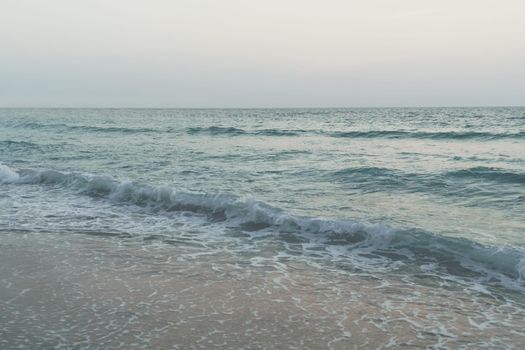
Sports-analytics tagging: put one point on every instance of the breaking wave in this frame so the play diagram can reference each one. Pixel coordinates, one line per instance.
(414, 247)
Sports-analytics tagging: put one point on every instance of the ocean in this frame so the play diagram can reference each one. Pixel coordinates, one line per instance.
(262, 228)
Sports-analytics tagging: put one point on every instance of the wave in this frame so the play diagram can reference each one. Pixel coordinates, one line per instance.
(230, 131)
(390, 134)
(8, 144)
(489, 174)
(478, 185)
(455, 256)
(11, 147)
(475, 174)
(84, 128)
(454, 135)
(233, 131)
(216, 130)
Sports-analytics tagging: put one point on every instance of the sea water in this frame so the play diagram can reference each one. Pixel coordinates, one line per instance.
(391, 226)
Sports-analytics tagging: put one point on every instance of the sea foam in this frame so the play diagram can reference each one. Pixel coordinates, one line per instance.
(7, 174)
(452, 255)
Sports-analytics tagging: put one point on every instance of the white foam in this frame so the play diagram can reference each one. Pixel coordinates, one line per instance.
(521, 269)
(7, 175)
(365, 245)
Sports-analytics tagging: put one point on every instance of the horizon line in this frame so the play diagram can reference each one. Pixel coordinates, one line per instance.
(266, 107)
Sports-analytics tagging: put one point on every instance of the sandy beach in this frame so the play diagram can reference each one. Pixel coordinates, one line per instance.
(262, 175)
(101, 292)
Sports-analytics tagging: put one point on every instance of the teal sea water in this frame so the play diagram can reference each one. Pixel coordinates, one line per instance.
(429, 196)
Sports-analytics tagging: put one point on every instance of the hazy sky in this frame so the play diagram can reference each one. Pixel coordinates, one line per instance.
(271, 53)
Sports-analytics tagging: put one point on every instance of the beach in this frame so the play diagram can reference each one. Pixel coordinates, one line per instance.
(262, 229)
(262, 175)
(99, 292)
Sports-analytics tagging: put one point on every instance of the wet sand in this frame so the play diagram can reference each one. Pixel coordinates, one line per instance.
(79, 291)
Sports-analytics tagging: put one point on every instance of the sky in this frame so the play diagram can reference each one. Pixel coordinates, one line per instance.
(272, 53)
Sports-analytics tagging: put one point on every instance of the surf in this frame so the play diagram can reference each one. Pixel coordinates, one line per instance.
(379, 244)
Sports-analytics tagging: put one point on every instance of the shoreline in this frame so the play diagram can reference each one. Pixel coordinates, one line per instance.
(68, 291)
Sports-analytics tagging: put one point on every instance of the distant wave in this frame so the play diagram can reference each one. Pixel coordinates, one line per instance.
(275, 132)
(488, 187)
(396, 177)
(390, 134)
(478, 186)
(456, 256)
(11, 146)
(86, 128)
(489, 174)
(397, 134)
(218, 130)
(17, 144)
